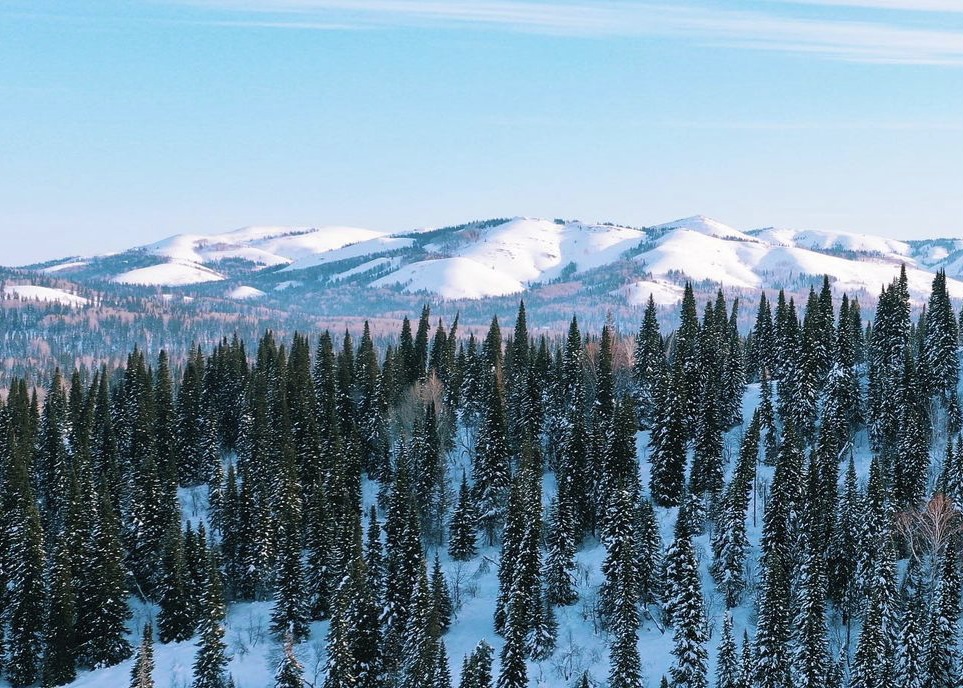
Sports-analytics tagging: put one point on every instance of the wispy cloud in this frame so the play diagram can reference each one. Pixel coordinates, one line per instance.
(941, 6)
(860, 41)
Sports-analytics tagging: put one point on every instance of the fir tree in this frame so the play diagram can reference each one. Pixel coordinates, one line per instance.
(667, 443)
(727, 661)
(211, 660)
(477, 668)
(175, 620)
(25, 609)
(59, 633)
(290, 673)
(560, 560)
(141, 676)
(689, 619)
(464, 525)
(490, 470)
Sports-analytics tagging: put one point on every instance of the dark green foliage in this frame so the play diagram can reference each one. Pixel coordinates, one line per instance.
(60, 643)
(290, 673)
(668, 440)
(142, 674)
(464, 525)
(490, 469)
(211, 660)
(688, 616)
(25, 611)
(175, 620)
(477, 668)
(727, 660)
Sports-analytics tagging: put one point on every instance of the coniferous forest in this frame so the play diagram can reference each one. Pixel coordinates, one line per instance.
(706, 506)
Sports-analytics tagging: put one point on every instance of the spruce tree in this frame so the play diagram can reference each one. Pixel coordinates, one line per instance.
(689, 618)
(290, 613)
(490, 470)
(290, 672)
(25, 608)
(340, 665)
(727, 660)
(513, 672)
(210, 661)
(811, 662)
(477, 668)
(141, 676)
(101, 631)
(464, 525)
(175, 619)
(560, 559)
(874, 661)
(442, 607)
(60, 647)
(911, 645)
(649, 362)
(667, 441)
(942, 655)
(730, 543)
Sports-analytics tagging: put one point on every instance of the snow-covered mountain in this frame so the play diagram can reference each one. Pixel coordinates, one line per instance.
(496, 258)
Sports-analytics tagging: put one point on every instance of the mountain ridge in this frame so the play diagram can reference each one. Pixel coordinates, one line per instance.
(507, 256)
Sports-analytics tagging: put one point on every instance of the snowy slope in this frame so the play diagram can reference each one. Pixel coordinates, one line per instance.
(705, 225)
(711, 253)
(453, 278)
(245, 292)
(267, 246)
(169, 274)
(818, 240)
(32, 292)
(506, 258)
(500, 257)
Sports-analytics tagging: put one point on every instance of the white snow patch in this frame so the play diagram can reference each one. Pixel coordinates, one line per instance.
(364, 267)
(452, 278)
(663, 293)
(822, 240)
(371, 246)
(245, 292)
(65, 266)
(169, 274)
(33, 292)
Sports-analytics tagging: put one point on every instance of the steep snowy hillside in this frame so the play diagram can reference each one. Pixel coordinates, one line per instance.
(193, 259)
(504, 259)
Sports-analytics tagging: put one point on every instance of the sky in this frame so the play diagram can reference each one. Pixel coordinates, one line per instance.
(122, 122)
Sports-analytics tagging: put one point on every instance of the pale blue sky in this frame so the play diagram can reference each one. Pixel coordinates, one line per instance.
(125, 121)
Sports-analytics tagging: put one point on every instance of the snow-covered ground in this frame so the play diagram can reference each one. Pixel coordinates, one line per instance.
(33, 292)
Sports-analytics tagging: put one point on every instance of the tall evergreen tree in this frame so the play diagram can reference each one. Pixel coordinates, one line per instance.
(727, 661)
(60, 646)
(142, 674)
(211, 660)
(689, 618)
(290, 672)
(667, 441)
(464, 525)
